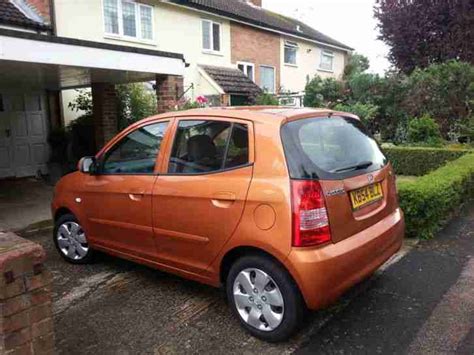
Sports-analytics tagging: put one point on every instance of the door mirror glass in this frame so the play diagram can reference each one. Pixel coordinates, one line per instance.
(87, 165)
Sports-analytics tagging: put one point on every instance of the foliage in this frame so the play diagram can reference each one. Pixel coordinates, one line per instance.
(419, 161)
(429, 201)
(366, 112)
(424, 130)
(186, 104)
(266, 99)
(58, 140)
(82, 137)
(82, 102)
(357, 63)
(135, 102)
(422, 32)
(323, 92)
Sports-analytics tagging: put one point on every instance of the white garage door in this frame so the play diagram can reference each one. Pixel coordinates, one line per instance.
(24, 150)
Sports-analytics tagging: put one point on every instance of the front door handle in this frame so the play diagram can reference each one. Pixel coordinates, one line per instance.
(136, 195)
(223, 199)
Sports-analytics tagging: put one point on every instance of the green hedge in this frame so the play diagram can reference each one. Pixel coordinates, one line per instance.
(431, 200)
(419, 161)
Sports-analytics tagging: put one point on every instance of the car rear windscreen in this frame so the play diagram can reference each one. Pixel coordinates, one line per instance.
(330, 148)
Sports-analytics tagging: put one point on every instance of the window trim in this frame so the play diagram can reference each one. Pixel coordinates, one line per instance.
(290, 45)
(246, 65)
(120, 35)
(232, 122)
(113, 143)
(274, 77)
(327, 53)
(211, 37)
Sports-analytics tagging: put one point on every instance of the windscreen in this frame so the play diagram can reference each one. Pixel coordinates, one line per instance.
(330, 148)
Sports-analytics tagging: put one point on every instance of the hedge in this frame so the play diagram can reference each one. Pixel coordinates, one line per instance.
(419, 161)
(431, 200)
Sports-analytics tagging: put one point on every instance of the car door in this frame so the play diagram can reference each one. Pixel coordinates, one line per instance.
(117, 199)
(199, 198)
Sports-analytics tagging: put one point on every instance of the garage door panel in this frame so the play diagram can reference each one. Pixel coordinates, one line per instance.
(38, 153)
(19, 125)
(36, 125)
(4, 158)
(33, 103)
(22, 155)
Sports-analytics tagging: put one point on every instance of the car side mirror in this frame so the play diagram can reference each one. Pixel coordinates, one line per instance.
(88, 165)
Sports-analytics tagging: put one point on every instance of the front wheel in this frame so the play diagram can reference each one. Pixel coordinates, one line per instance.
(264, 298)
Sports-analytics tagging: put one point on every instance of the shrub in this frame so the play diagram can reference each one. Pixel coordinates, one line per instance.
(266, 99)
(424, 130)
(429, 201)
(419, 161)
(323, 92)
(366, 112)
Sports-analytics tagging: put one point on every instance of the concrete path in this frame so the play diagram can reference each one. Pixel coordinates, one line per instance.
(116, 307)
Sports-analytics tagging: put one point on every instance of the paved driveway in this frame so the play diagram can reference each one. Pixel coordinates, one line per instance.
(418, 304)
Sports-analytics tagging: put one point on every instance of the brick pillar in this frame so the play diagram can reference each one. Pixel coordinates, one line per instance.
(169, 89)
(55, 111)
(105, 112)
(26, 323)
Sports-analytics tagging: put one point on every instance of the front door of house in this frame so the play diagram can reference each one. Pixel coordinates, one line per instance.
(24, 149)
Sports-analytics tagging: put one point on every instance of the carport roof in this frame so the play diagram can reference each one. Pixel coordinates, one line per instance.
(11, 15)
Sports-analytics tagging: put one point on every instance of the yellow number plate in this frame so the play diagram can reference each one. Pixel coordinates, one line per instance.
(366, 195)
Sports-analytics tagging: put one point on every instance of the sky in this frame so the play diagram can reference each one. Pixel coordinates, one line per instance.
(348, 21)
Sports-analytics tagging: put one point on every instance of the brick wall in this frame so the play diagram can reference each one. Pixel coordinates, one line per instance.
(26, 324)
(105, 112)
(42, 7)
(169, 89)
(257, 47)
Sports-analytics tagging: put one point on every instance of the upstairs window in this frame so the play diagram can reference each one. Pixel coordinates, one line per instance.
(211, 36)
(248, 69)
(128, 19)
(327, 60)
(291, 48)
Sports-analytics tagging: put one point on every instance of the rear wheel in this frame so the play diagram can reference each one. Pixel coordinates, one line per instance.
(264, 298)
(71, 241)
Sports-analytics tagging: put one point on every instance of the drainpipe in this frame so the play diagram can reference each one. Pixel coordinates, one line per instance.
(52, 15)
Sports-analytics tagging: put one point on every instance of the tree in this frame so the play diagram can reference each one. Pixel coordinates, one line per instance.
(423, 32)
(356, 64)
(323, 92)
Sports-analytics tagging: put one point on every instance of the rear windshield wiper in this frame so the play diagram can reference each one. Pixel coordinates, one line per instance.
(359, 166)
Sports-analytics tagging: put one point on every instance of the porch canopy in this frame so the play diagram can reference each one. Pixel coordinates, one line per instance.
(55, 63)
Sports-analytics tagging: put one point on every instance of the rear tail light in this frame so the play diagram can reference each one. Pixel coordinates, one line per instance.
(310, 218)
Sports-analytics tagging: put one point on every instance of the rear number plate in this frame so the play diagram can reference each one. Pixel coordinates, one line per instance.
(366, 195)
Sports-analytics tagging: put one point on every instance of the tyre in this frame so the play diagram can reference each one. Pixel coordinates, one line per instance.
(71, 241)
(265, 298)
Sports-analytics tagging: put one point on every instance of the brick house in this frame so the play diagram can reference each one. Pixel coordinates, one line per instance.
(226, 50)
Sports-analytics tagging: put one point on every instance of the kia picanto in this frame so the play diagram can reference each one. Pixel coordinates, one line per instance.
(284, 208)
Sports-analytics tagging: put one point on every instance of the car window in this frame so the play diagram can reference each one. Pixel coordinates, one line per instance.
(208, 146)
(136, 153)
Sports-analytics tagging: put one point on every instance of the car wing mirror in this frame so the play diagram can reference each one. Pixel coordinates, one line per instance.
(88, 165)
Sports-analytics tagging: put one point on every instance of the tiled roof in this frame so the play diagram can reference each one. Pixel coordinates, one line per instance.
(231, 80)
(243, 11)
(11, 15)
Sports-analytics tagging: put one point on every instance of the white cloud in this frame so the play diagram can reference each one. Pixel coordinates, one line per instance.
(348, 21)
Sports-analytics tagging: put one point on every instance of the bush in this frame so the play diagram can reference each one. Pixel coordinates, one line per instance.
(366, 112)
(266, 99)
(424, 130)
(419, 161)
(431, 200)
(323, 92)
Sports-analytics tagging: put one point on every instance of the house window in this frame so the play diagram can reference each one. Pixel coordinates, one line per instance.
(290, 52)
(267, 78)
(327, 60)
(211, 36)
(128, 19)
(248, 69)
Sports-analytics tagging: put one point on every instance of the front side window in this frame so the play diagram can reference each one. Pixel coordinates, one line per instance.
(128, 19)
(211, 36)
(136, 153)
(267, 78)
(208, 146)
(327, 60)
(248, 69)
(290, 52)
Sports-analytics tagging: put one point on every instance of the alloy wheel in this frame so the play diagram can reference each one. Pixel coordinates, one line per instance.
(72, 241)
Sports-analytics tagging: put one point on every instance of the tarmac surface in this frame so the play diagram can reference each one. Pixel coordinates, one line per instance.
(421, 302)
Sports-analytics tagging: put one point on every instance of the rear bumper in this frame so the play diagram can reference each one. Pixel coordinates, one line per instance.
(323, 274)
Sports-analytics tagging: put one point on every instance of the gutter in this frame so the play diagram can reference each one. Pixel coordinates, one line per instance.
(267, 29)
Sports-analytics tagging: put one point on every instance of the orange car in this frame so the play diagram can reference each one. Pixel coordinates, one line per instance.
(287, 208)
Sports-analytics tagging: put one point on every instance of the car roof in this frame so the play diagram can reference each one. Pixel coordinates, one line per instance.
(265, 114)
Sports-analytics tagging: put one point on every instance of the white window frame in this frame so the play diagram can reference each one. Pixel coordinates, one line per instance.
(290, 45)
(246, 66)
(274, 77)
(327, 53)
(211, 39)
(138, 22)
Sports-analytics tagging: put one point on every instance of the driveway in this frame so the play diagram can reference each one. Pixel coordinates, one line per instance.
(421, 303)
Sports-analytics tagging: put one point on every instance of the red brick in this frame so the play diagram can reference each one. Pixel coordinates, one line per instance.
(13, 289)
(25, 349)
(16, 322)
(38, 281)
(42, 328)
(15, 339)
(41, 295)
(40, 312)
(44, 345)
(16, 304)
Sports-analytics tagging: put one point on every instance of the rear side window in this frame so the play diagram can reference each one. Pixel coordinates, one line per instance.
(330, 148)
(208, 146)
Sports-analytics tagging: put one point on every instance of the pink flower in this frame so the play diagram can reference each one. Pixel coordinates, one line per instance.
(202, 100)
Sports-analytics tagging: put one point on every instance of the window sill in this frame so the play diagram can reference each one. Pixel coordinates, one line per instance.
(326, 70)
(291, 65)
(218, 54)
(130, 40)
